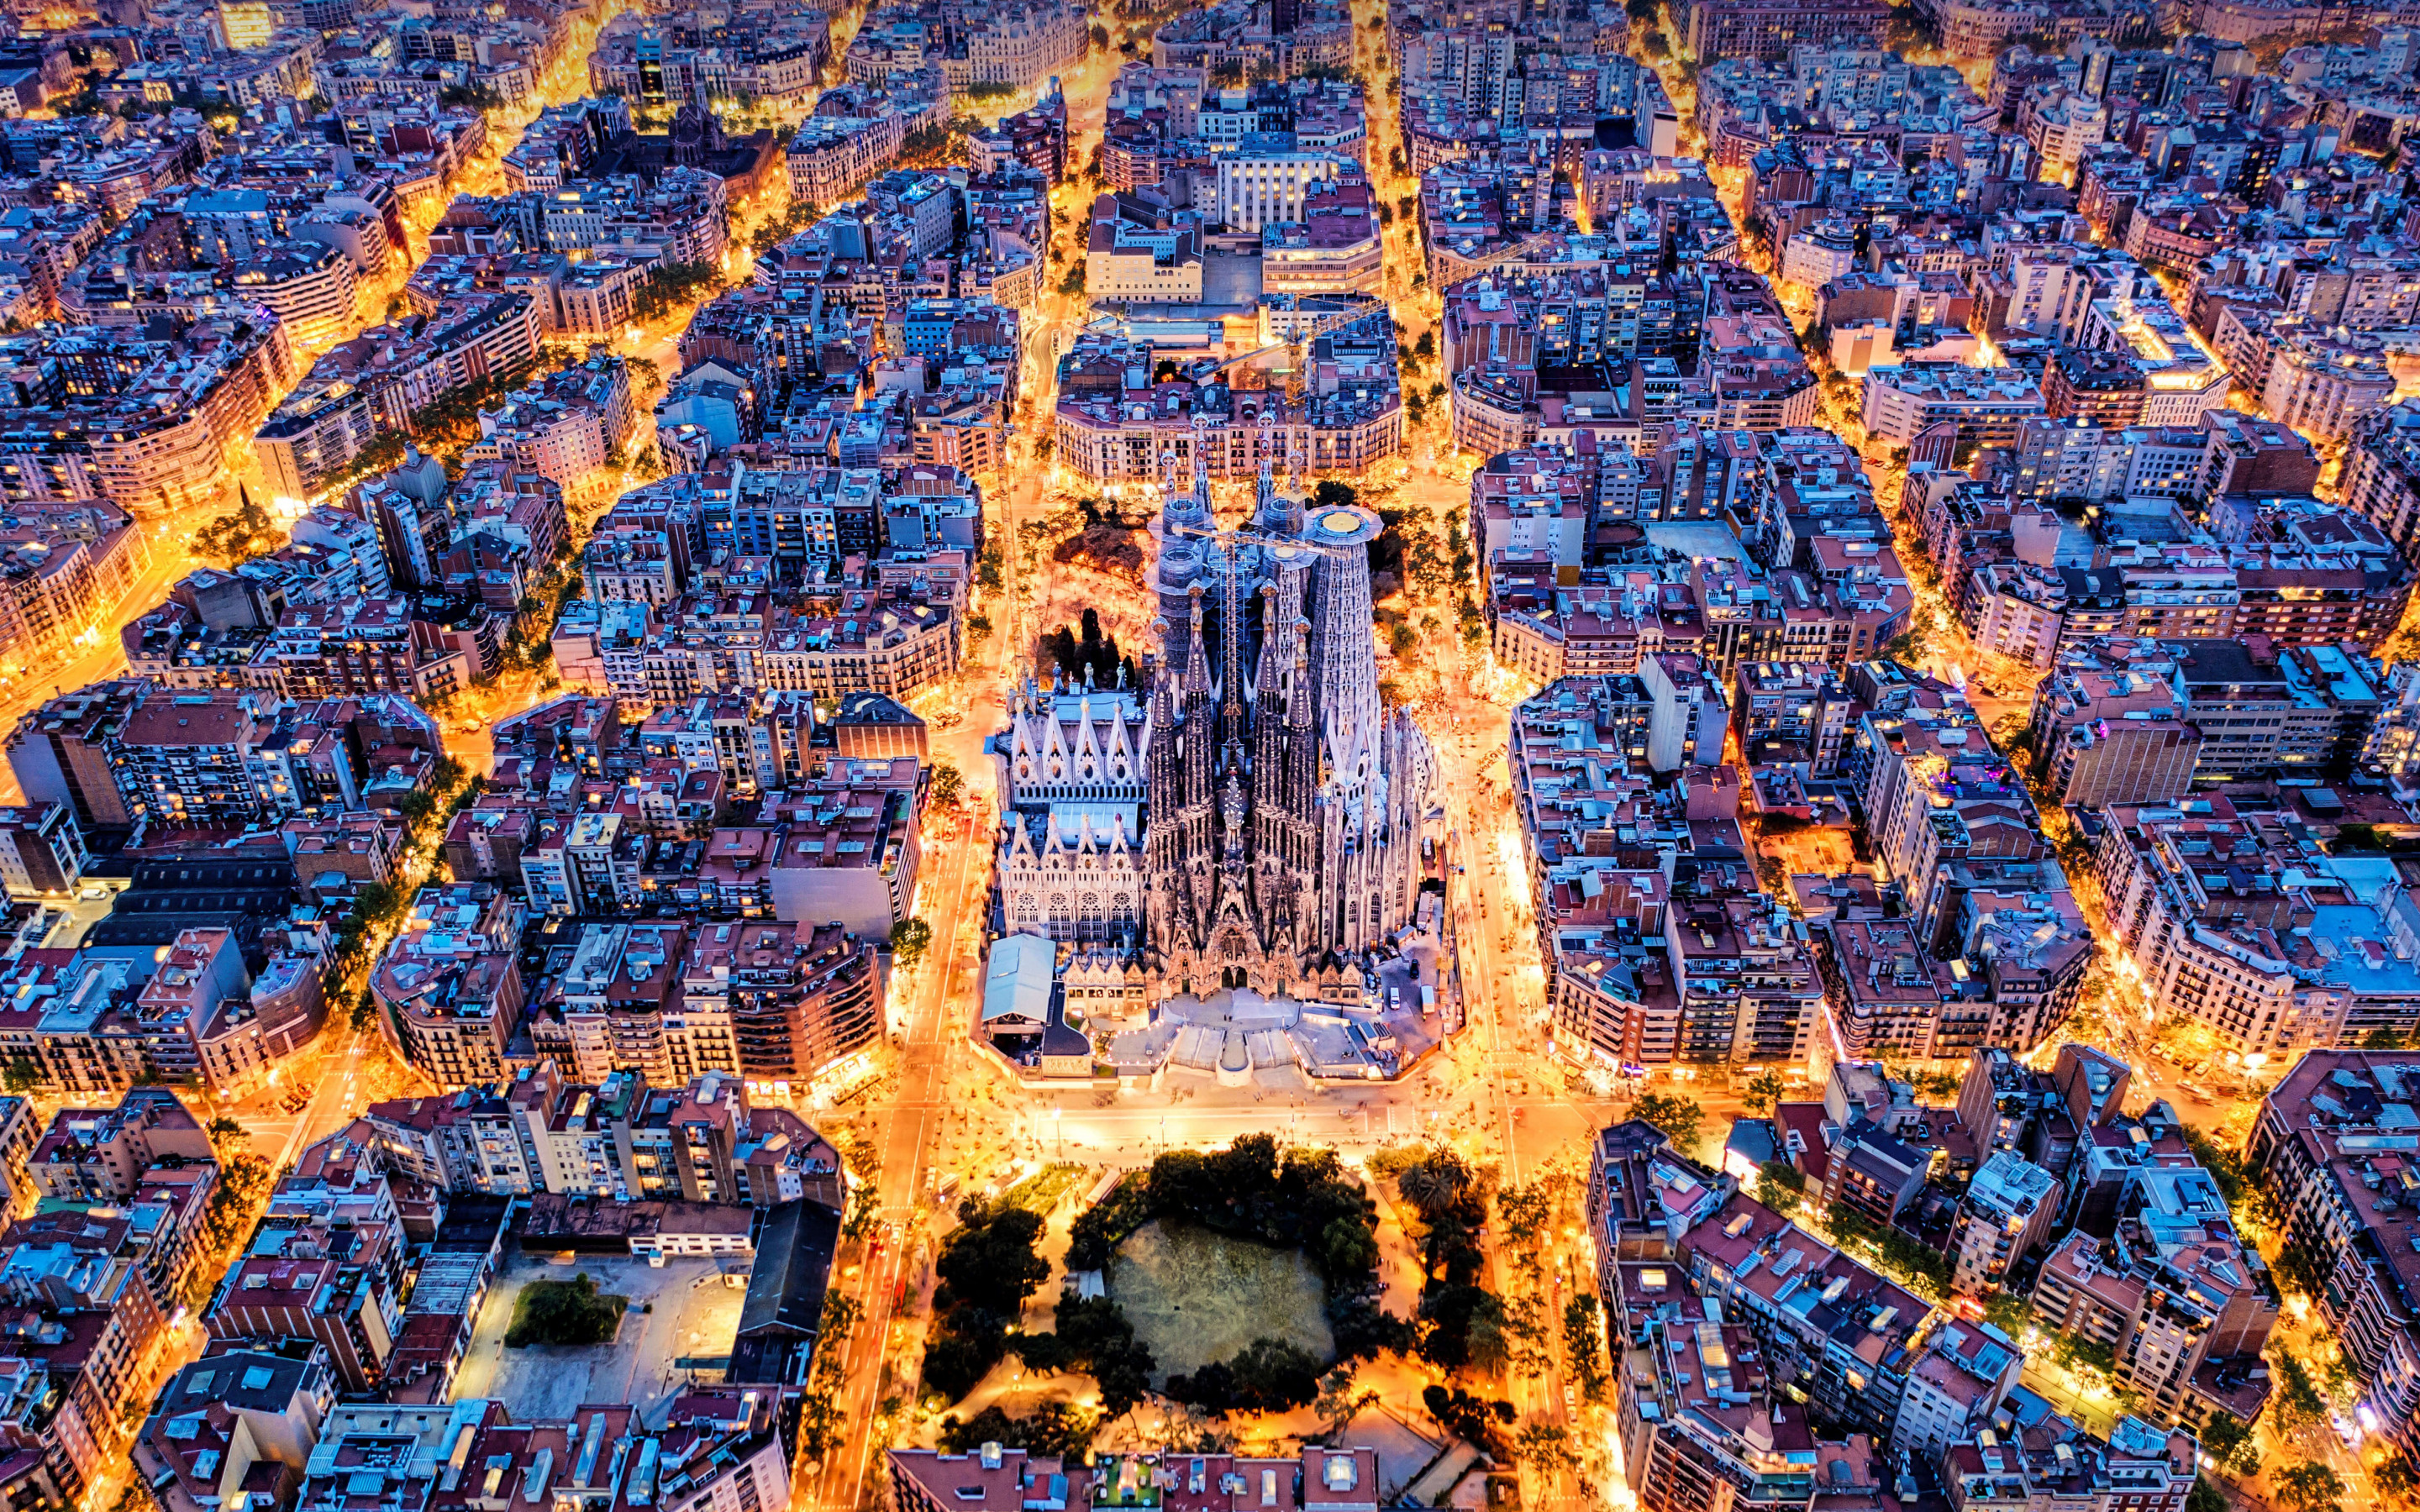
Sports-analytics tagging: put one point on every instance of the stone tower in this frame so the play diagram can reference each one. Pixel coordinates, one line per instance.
(1286, 800)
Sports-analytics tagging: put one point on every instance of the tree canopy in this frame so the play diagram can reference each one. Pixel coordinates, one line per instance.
(2309, 1486)
(1678, 1117)
(564, 1312)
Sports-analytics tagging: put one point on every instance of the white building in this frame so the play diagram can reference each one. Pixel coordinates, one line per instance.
(1256, 190)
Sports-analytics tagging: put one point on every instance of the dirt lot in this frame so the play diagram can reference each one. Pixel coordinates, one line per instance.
(1823, 851)
(686, 1309)
(1196, 1296)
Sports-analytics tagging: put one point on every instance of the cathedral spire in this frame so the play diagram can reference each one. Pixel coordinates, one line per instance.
(1197, 655)
(1177, 507)
(1202, 463)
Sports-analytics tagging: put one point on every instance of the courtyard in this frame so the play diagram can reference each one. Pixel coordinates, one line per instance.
(681, 1320)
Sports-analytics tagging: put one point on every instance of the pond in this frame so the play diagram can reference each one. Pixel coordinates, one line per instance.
(1196, 1296)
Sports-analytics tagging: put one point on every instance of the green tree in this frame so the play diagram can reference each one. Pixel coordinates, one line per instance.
(1487, 1335)
(671, 285)
(2008, 1312)
(1679, 1117)
(564, 1312)
(1275, 1376)
(1763, 1091)
(2077, 1352)
(988, 1260)
(1435, 1183)
(962, 1353)
(910, 939)
(23, 1075)
(2309, 1486)
(238, 536)
(1545, 1447)
(1526, 1213)
(1093, 1335)
(1341, 1397)
(1458, 1411)
(1779, 1185)
(948, 785)
(1584, 1346)
(2397, 1476)
(2230, 1443)
(1061, 1428)
(2204, 1497)
(1346, 1248)
(2298, 1403)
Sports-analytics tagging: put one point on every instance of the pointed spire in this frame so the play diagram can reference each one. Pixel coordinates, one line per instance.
(1202, 463)
(1197, 662)
(1268, 474)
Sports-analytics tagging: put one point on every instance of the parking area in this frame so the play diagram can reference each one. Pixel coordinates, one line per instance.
(686, 1311)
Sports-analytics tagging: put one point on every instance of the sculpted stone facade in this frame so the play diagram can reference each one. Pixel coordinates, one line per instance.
(1072, 831)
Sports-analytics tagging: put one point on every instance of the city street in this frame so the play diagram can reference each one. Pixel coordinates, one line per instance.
(941, 1117)
(97, 655)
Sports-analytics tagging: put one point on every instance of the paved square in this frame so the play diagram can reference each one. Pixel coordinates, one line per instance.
(695, 1314)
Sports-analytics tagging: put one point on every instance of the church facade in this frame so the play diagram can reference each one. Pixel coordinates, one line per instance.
(1071, 769)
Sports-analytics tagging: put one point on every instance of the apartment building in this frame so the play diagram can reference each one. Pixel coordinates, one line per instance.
(2381, 476)
(65, 570)
(2111, 724)
(2184, 1304)
(154, 424)
(1936, 791)
(2322, 1148)
(219, 1419)
(1768, 29)
(1985, 407)
(1841, 1333)
(992, 1479)
(2033, 1454)
(2261, 948)
(101, 1155)
(1113, 424)
(116, 753)
(449, 987)
(2007, 1212)
(1260, 189)
(1958, 1383)
(42, 852)
(2326, 382)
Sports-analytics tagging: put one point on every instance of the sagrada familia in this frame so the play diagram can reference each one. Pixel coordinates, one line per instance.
(1285, 799)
